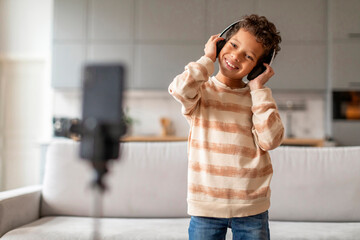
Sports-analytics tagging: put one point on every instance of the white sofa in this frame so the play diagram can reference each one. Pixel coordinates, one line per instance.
(315, 195)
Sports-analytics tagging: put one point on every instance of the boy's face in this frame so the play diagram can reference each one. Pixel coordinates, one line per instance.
(239, 55)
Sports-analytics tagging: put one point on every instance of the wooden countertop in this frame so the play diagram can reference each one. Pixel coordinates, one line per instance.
(287, 141)
(312, 142)
(153, 139)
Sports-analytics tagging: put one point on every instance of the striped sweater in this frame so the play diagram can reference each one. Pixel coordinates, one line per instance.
(231, 130)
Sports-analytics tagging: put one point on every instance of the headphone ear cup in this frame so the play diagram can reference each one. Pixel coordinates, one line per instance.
(260, 68)
(219, 45)
(257, 70)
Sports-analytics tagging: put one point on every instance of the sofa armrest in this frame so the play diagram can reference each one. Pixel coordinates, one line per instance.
(19, 207)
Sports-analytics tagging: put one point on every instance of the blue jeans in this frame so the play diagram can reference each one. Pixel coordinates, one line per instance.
(246, 228)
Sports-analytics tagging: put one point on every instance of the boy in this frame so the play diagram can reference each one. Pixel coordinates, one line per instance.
(232, 126)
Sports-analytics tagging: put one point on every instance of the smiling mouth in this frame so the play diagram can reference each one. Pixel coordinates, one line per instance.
(231, 66)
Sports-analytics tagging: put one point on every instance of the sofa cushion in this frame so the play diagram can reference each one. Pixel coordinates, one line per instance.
(314, 230)
(81, 228)
(315, 184)
(149, 180)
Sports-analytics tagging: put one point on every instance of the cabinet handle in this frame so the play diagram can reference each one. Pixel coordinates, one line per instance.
(354, 84)
(354, 35)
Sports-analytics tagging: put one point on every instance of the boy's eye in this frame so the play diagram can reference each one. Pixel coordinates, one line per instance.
(233, 44)
(250, 57)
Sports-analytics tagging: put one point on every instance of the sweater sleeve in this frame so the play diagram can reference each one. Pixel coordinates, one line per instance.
(185, 88)
(267, 129)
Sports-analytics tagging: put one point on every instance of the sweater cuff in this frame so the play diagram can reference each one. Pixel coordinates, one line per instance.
(262, 95)
(207, 63)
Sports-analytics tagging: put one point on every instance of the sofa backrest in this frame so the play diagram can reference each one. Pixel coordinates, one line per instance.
(315, 184)
(149, 180)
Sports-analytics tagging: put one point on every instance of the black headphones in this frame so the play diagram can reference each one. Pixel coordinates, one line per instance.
(259, 68)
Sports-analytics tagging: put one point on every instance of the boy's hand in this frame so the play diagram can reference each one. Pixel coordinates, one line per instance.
(260, 80)
(210, 47)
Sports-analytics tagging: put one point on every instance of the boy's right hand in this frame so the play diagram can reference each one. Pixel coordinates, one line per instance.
(210, 47)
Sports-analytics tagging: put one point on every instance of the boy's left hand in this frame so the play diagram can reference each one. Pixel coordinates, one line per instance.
(260, 80)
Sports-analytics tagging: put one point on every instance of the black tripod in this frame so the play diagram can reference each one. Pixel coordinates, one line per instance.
(99, 146)
(101, 127)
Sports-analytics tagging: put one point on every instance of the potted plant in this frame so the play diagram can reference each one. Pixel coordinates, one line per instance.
(128, 122)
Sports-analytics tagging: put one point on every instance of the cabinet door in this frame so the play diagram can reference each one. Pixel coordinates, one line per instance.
(67, 65)
(346, 65)
(344, 18)
(114, 53)
(170, 20)
(159, 64)
(345, 45)
(230, 11)
(299, 67)
(111, 20)
(301, 63)
(69, 43)
(346, 133)
(70, 19)
(303, 20)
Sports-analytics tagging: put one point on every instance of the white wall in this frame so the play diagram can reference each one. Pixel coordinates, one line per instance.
(25, 28)
(25, 110)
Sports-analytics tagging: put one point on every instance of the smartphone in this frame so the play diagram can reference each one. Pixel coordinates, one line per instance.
(102, 113)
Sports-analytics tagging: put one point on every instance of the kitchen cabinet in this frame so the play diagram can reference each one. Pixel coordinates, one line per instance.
(346, 65)
(344, 18)
(300, 67)
(346, 132)
(90, 31)
(70, 20)
(230, 11)
(113, 53)
(157, 38)
(170, 20)
(110, 20)
(302, 61)
(298, 21)
(160, 63)
(68, 59)
(345, 43)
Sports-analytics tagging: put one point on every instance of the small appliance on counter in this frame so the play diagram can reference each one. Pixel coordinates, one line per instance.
(289, 107)
(346, 105)
(346, 117)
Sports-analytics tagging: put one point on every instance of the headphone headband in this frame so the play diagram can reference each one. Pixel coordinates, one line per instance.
(228, 27)
(272, 57)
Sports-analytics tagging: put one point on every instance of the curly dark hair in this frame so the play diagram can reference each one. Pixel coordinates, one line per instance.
(264, 31)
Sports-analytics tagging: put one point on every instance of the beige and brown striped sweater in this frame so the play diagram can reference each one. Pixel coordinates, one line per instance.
(231, 130)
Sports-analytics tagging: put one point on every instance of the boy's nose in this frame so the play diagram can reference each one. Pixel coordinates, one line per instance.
(237, 56)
